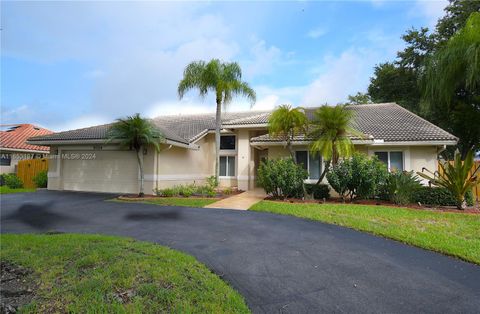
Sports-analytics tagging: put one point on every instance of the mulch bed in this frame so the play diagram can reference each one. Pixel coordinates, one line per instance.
(150, 197)
(17, 287)
(453, 209)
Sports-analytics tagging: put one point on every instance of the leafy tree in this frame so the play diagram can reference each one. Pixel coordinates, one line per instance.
(392, 83)
(359, 99)
(398, 81)
(457, 14)
(135, 132)
(285, 123)
(451, 83)
(457, 177)
(331, 129)
(222, 78)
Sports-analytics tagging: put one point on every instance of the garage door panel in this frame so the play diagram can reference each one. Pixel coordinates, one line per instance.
(110, 171)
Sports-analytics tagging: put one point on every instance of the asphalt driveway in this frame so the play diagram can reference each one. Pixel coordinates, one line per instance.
(278, 263)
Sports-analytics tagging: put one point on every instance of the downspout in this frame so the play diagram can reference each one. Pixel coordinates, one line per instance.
(157, 166)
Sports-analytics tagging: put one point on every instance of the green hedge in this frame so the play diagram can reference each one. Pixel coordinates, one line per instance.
(438, 197)
(12, 181)
(319, 191)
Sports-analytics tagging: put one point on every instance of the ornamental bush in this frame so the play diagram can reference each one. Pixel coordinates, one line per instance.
(436, 196)
(282, 178)
(319, 191)
(400, 187)
(358, 177)
(12, 181)
(41, 179)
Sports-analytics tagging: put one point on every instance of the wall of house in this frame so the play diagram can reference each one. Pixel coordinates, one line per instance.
(176, 165)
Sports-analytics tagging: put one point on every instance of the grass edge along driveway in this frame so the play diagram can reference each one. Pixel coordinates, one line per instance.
(6, 190)
(87, 273)
(445, 232)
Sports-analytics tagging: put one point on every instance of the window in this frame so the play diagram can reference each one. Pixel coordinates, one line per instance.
(311, 163)
(227, 166)
(227, 142)
(393, 160)
(5, 160)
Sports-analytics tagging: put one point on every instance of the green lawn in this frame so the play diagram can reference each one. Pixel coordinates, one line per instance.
(454, 234)
(86, 273)
(6, 190)
(177, 201)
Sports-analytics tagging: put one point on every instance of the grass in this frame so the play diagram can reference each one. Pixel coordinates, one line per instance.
(88, 273)
(6, 190)
(453, 234)
(176, 201)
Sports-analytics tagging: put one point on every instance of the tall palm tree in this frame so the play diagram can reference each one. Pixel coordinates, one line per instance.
(285, 122)
(331, 129)
(135, 132)
(222, 78)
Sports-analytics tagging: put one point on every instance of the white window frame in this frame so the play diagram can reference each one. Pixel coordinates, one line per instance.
(388, 151)
(309, 180)
(228, 177)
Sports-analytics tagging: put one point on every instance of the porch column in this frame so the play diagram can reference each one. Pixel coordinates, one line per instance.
(245, 160)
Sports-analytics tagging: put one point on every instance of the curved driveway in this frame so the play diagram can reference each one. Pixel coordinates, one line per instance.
(278, 263)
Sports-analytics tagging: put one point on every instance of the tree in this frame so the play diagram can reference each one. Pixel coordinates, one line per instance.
(135, 132)
(457, 13)
(451, 83)
(359, 99)
(285, 123)
(331, 130)
(457, 177)
(392, 83)
(222, 78)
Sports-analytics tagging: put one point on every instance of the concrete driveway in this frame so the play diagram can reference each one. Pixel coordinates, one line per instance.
(278, 263)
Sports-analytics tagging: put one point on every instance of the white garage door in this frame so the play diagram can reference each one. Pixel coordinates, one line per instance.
(109, 171)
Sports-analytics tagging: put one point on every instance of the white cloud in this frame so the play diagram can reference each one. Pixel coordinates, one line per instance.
(316, 32)
(80, 122)
(344, 75)
(432, 10)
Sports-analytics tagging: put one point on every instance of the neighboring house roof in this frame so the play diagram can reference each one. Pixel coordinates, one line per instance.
(388, 122)
(16, 135)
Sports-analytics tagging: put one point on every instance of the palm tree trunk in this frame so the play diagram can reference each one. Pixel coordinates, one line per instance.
(324, 172)
(140, 166)
(218, 123)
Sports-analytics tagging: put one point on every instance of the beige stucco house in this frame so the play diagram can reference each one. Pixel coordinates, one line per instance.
(82, 161)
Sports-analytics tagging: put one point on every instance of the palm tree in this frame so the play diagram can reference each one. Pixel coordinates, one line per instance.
(331, 131)
(222, 78)
(135, 132)
(285, 122)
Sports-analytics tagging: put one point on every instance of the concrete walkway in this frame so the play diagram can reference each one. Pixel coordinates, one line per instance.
(242, 201)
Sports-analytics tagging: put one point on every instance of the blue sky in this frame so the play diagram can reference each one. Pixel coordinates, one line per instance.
(67, 65)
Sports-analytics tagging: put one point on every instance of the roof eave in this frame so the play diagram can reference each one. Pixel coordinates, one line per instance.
(102, 141)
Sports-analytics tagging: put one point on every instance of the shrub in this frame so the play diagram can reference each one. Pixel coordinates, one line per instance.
(186, 190)
(41, 179)
(401, 186)
(458, 176)
(358, 177)
(282, 178)
(12, 181)
(212, 181)
(227, 191)
(205, 190)
(319, 191)
(436, 196)
(168, 192)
